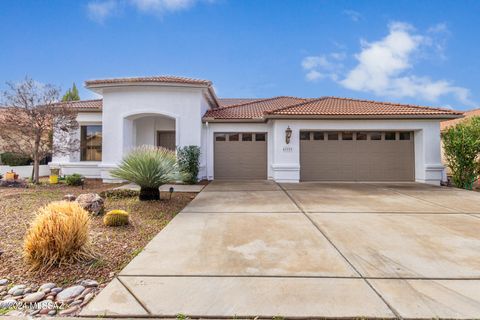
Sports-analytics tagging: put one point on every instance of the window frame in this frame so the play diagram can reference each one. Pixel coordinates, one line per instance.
(85, 156)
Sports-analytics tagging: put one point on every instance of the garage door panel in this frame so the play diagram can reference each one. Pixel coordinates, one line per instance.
(357, 160)
(240, 160)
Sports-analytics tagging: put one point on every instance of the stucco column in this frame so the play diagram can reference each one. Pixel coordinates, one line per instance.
(286, 157)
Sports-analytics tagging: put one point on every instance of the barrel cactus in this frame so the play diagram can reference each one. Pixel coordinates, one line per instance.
(116, 218)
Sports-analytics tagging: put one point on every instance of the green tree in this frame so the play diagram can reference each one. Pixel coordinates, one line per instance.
(461, 144)
(71, 94)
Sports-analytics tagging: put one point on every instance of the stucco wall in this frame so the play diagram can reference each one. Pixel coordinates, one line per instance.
(122, 106)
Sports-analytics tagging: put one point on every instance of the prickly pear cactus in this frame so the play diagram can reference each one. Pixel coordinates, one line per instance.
(116, 218)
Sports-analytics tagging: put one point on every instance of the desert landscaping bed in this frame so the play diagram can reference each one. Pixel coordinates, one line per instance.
(114, 246)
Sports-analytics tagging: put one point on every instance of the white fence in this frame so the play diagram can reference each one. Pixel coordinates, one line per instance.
(25, 171)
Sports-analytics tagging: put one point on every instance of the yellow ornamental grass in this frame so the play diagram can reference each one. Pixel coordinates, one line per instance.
(58, 235)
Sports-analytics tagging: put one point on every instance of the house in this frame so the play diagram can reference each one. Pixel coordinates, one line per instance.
(286, 139)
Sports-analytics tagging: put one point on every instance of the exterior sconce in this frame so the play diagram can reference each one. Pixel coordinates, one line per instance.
(288, 134)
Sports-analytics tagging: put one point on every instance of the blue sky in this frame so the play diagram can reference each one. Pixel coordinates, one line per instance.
(422, 52)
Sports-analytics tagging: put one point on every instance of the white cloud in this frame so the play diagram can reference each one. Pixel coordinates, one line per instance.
(353, 15)
(386, 67)
(101, 10)
(320, 67)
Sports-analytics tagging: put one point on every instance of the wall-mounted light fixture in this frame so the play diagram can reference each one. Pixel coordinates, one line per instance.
(288, 134)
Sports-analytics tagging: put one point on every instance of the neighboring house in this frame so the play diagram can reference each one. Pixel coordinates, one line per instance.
(286, 139)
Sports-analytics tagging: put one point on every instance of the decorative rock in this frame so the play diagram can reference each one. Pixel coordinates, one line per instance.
(87, 299)
(85, 292)
(34, 312)
(46, 286)
(34, 297)
(91, 202)
(3, 288)
(69, 311)
(18, 292)
(15, 288)
(74, 303)
(3, 282)
(44, 311)
(52, 312)
(50, 297)
(46, 304)
(89, 283)
(56, 290)
(69, 197)
(27, 290)
(8, 303)
(70, 293)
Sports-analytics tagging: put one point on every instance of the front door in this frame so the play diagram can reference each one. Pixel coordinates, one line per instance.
(166, 139)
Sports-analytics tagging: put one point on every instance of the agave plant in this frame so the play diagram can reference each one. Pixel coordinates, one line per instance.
(149, 167)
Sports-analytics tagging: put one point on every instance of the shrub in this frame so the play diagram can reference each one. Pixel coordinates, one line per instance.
(116, 218)
(461, 144)
(13, 159)
(74, 179)
(58, 235)
(189, 162)
(119, 193)
(149, 167)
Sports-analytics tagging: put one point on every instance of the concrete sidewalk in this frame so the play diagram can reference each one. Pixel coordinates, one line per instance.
(311, 250)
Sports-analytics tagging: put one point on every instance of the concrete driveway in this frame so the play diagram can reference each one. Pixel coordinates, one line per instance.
(257, 248)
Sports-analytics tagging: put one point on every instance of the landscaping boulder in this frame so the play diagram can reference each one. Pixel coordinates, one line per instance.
(91, 202)
(69, 197)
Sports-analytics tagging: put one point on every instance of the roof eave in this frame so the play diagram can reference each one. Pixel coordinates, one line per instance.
(354, 117)
(98, 87)
(217, 120)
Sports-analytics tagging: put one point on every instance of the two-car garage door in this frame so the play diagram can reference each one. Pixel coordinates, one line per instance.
(240, 155)
(356, 156)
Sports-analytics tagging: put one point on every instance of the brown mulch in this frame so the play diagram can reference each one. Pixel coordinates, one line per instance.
(115, 246)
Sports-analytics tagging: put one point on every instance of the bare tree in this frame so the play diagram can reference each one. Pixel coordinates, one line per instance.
(31, 117)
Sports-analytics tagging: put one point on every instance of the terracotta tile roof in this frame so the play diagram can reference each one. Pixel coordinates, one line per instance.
(251, 110)
(468, 114)
(160, 79)
(225, 102)
(346, 107)
(85, 105)
(323, 107)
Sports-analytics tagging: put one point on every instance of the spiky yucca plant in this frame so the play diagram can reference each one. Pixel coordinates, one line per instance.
(149, 167)
(116, 218)
(59, 234)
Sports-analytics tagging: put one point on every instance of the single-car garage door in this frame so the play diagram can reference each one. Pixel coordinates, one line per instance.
(240, 155)
(356, 156)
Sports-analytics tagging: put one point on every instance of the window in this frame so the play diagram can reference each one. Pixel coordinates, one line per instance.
(233, 137)
(247, 137)
(361, 136)
(221, 137)
(318, 135)
(259, 136)
(347, 135)
(375, 136)
(304, 135)
(404, 135)
(332, 135)
(390, 135)
(91, 143)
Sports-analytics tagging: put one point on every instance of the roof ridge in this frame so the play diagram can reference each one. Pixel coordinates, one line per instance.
(94, 81)
(394, 104)
(254, 101)
(305, 101)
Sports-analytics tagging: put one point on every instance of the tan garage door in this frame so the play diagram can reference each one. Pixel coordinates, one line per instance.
(240, 155)
(356, 156)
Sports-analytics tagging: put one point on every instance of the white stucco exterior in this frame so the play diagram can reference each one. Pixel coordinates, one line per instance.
(132, 114)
